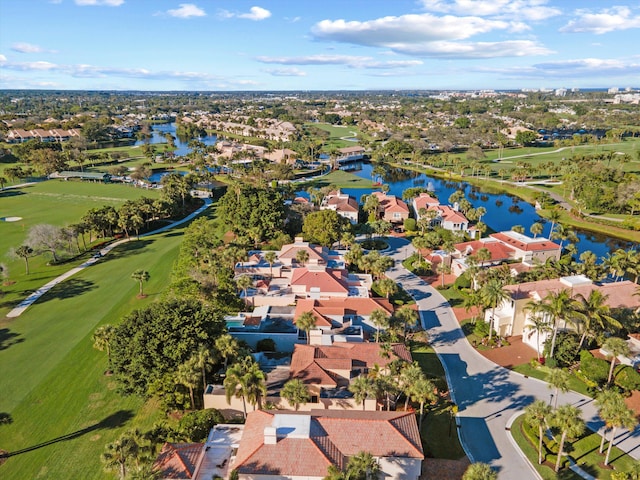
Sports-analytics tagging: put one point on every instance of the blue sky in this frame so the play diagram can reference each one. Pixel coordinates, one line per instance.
(318, 44)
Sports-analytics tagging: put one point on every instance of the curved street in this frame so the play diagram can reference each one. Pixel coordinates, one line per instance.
(488, 396)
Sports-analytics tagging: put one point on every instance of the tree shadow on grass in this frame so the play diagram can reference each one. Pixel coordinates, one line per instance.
(8, 338)
(128, 248)
(115, 420)
(68, 289)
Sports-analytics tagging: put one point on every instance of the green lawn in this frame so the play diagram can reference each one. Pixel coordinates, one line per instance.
(340, 179)
(52, 202)
(438, 432)
(584, 451)
(63, 409)
(337, 133)
(542, 373)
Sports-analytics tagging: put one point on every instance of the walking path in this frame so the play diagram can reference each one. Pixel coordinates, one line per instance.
(31, 299)
(488, 396)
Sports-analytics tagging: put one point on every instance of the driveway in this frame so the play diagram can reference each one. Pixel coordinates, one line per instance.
(487, 395)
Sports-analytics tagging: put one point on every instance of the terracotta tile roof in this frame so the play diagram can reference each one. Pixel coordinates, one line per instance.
(424, 200)
(538, 244)
(498, 250)
(448, 214)
(178, 460)
(336, 306)
(316, 364)
(327, 280)
(333, 435)
(391, 203)
(291, 250)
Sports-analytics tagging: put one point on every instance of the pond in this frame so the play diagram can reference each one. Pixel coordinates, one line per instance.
(503, 210)
(158, 131)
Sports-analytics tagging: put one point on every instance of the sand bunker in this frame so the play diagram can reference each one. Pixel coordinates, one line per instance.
(11, 219)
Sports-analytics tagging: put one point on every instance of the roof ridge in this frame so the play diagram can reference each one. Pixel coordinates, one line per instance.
(390, 422)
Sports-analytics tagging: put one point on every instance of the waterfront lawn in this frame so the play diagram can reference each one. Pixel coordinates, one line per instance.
(336, 134)
(340, 179)
(61, 404)
(52, 202)
(584, 451)
(542, 373)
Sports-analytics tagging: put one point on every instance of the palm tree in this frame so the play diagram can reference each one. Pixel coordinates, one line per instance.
(256, 387)
(244, 282)
(409, 375)
(236, 382)
(615, 346)
(483, 255)
(140, 276)
(408, 315)
(558, 379)
(270, 257)
(296, 393)
(596, 314)
(188, 374)
(102, 338)
(537, 228)
(538, 325)
(479, 471)
(443, 269)
(25, 251)
(203, 360)
(380, 319)
(116, 456)
(557, 306)
(306, 322)
(618, 416)
(493, 294)
(568, 420)
(607, 400)
(554, 216)
(362, 387)
(387, 286)
(362, 466)
(537, 414)
(422, 391)
(227, 347)
(302, 257)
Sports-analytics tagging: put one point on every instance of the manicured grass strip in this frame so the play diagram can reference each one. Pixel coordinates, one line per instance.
(584, 451)
(542, 373)
(52, 380)
(340, 179)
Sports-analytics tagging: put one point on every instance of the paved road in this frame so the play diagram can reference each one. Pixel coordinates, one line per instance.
(488, 396)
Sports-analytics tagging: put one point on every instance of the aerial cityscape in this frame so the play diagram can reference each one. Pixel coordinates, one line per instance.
(319, 240)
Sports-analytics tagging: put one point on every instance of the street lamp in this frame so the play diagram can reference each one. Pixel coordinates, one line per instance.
(550, 398)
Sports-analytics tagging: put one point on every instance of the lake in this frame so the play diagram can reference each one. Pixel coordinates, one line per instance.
(158, 131)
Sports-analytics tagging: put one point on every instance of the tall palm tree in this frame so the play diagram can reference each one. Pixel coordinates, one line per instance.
(306, 322)
(483, 255)
(25, 251)
(537, 415)
(244, 282)
(536, 228)
(557, 306)
(302, 257)
(116, 456)
(538, 326)
(408, 315)
(270, 257)
(204, 359)
(596, 314)
(140, 276)
(618, 416)
(380, 319)
(188, 374)
(296, 393)
(235, 382)
(422, 391)
(558, 379)
(102, 338)
(615, 346)
(227, 347)
(362, 387)
(493, 294)
(554, 216)
(567, 419)
(387, 286)
(607, 400)
(256, 387)
(409, 375)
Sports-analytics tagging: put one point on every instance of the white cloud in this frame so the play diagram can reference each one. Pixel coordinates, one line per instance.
(254, 13)
(286, 72)
(99, 3)
(187, 10)
(534, 10)
(348, 60)
(2, 58)
(607, 20)
(585, 68)
(23, 47)
(431, 36)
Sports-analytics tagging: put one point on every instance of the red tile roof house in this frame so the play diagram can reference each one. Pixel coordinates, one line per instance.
(318, 255)
(511, 318)
(499, 253)
(392, 208)
(287, 445)
(343, 204)
(179, 460)
(323, 282)
(336, 317)
(527, 249)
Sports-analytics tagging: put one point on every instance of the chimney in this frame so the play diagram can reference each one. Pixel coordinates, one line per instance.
(270, 437)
